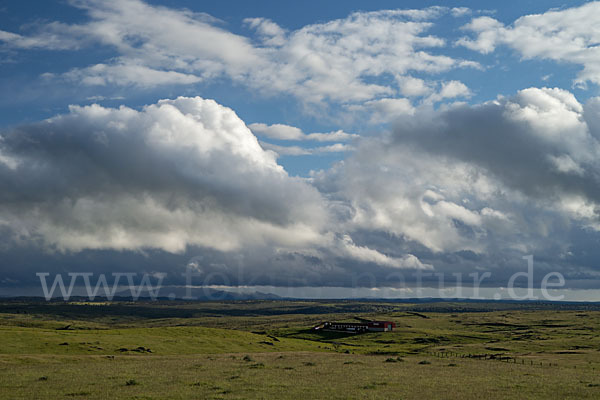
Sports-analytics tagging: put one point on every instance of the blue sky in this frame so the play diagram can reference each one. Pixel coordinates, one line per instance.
(366, 137)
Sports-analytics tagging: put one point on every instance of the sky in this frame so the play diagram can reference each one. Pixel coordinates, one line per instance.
(301, 146)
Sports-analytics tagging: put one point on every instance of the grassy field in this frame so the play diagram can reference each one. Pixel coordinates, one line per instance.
(265, 349)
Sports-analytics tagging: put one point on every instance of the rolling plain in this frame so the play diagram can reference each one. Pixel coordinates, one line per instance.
(266, 349)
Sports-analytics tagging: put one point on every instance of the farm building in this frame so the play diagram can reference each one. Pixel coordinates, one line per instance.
(357, 327)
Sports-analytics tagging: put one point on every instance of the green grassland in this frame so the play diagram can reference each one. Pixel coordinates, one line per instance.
(266, 349)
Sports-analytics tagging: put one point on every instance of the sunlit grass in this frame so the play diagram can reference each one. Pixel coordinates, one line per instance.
(251, 350)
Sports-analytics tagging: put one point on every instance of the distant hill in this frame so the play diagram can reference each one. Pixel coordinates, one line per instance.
(200, 294)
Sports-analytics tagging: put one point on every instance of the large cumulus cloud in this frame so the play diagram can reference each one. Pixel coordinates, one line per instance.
(177, 173)
(474, 188)
(105, 189)
(537, 143)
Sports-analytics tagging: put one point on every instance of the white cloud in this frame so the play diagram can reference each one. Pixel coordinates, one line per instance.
(345, 60)
(128, 74)
(365, 254)
(332, 136)
(52, 36)
(9, 161)
(382, 111)
(287, 132)
(565, 164)
(177, 173)
(387, 188)
(488, 30)
(453, 89)
(414, 87)
(278, 131)
(460, 11)
(304, 151)
(512, 175)
(421, 14)
(270, 33)
(450, 90)
(569, 35)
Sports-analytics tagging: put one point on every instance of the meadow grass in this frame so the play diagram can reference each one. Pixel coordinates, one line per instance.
(287, 375)
(248, 350)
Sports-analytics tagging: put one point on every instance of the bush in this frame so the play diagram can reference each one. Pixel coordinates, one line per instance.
(131, 382)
